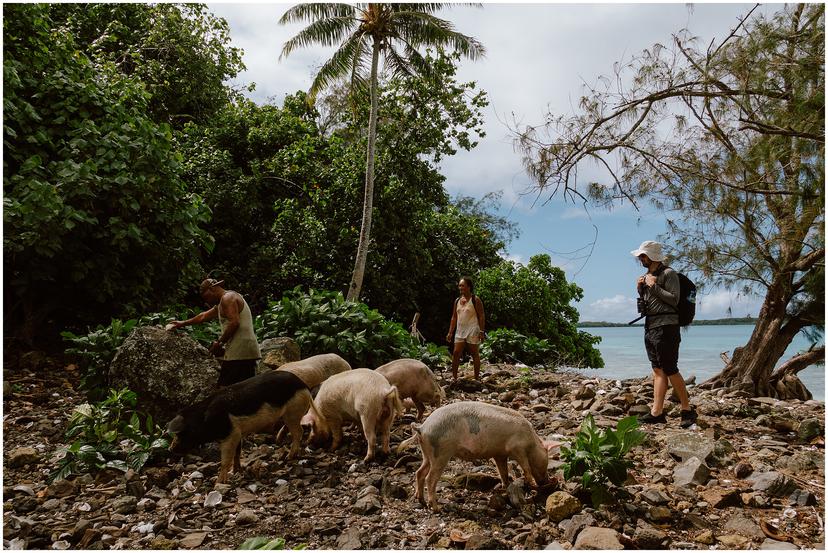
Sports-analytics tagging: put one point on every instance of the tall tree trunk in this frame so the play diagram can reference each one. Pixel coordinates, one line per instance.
(368, 203)
(752, 364)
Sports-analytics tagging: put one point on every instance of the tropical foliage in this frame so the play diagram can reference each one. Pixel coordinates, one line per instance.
(324, 322)
(94, 211)
(509, 346)
(536, 300)
(363, 31)
(109, 434)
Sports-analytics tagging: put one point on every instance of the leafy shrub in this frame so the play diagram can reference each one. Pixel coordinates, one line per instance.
(510, 346)
(597, 456)
(109, 434)
(324, 322)
(536, 300)
(263, 543)
(95, 350)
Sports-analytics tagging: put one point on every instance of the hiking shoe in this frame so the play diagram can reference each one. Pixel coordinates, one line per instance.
(649, 418)
(688, 418)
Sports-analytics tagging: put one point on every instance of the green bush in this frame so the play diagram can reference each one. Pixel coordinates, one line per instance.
(109, 434)
(509, 346)
(597, 456)
(536, 300)
(324, 322)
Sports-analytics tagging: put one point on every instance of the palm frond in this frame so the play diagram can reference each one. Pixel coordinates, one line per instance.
(421, 29)
(399, 65)
(327, 32)
(358, 62)
(431, 7)
(339, 66)
(313, 11)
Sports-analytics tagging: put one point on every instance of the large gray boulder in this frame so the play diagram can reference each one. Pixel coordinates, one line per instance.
(276, 352)
(167, 370)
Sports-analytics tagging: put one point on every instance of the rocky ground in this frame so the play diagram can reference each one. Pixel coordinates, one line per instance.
(749, 475)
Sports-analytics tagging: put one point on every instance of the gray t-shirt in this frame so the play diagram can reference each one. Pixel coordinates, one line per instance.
(662, 299)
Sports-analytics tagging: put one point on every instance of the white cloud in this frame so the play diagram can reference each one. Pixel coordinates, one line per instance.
(715, 305)
(617, 309)
(621, 308)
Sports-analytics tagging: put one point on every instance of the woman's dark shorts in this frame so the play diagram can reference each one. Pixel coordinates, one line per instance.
(236, 371)
(662, 344)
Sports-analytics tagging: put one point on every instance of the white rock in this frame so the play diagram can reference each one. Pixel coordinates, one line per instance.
(280, 482)
(62, 544)
(213, 498)
(196, 475)
(143, 528)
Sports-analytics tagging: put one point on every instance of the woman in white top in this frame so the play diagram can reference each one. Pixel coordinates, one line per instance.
(469, 320)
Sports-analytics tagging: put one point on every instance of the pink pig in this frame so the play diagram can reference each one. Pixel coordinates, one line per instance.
(473, 430)
(362, 396)
(413, 380)
(316, 369)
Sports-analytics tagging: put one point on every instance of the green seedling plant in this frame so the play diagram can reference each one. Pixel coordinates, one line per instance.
(109, 434)
(597, 456)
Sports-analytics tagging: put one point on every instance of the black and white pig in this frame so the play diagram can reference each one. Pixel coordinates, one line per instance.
(246, 407)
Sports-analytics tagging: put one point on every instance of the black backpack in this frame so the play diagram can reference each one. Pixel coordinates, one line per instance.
(687, 300)
(686, 307)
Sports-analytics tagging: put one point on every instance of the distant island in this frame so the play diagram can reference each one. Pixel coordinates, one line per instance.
(698, 322)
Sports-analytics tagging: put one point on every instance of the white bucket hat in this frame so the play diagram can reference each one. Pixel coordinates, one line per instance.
(651, 249)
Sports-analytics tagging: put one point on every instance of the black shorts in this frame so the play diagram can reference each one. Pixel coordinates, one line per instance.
(236, 371)
(662, 345)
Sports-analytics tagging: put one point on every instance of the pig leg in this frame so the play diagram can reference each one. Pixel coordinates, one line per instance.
(292, 420)
(336, 432)
(295, 430)
(420, 481)
(434, 473)
(370, 431)
(229, 449)
(523, 461)
(420, 409)
(503, 470)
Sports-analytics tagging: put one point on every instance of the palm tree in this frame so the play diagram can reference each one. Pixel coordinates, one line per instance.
(363, 31)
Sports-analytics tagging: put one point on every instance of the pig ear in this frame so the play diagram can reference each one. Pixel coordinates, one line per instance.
(176, 425)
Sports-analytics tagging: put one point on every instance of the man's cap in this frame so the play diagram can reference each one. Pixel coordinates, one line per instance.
(651, 249)
(208, 283)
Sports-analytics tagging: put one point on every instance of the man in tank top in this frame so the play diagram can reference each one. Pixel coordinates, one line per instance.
(237, 341)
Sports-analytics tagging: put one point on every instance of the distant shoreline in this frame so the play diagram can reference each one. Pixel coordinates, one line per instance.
(699, 322)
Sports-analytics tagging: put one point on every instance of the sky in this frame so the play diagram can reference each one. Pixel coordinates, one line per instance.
(539, 57)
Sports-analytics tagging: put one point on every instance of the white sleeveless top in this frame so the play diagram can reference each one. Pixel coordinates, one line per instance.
(467, 326)
(243, 344)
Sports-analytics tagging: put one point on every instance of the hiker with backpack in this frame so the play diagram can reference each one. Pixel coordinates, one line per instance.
(468, 325)
(661, 302)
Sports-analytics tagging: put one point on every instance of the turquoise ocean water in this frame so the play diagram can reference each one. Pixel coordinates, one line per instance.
(622, 349)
